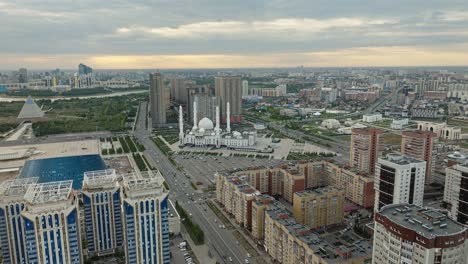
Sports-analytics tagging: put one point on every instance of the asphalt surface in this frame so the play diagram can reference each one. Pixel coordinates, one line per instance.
(221, 242)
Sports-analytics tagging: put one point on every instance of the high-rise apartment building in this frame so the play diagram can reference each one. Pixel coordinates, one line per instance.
(245, 88)
(51, 223)
(157, 99)
(206, 106)
(319, 207)
(84, 69)
(406, 233)
(366, 146)
(178, 91)
(419, 144)
(399, 179)
(102, 213)
(145, 218)
(12, 231)
(456, 191)
(22, 75)
(229, 90)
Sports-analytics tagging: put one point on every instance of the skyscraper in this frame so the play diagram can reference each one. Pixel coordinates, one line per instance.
(456, 191)
(83, 69)
(366, 146)
(157, 99)
(51, 224)
(103, 216)
(245, 88)
(419, 144)
(229, 90)
(12, 230)
(178, 93)
(206, 106)
(22, 75)
(145, 220)
(399, 179)
(406, 233)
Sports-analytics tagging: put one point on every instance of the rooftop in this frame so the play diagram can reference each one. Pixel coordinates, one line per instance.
(332, 247)
(317, 191)
(427, 222)
(400, 159)
(16, 187)
(100, 178)
(145, 180)
(48, 192)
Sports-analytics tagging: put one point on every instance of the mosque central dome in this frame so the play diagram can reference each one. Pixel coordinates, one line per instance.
(206, 124)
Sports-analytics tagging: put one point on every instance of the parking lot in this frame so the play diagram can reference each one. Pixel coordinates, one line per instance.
(202, 168)
(178, 253)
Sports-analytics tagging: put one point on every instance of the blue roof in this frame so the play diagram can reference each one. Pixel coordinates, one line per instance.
(63, 168)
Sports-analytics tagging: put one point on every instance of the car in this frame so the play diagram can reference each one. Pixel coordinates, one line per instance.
(230, 259)
(248, 255)
(247, 261)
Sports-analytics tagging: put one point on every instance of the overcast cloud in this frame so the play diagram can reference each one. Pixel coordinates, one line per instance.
(61, 33)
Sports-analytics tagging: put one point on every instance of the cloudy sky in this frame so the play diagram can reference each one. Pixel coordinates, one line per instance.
(41, 34)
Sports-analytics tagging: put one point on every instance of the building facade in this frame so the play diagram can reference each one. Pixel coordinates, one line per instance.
(456, 192)
(51, 223)
(145, 218)
(319, 207)
(406, 233)
(158, 101)
(366, 146)
(399, 179)
(102, 212)
(12, 231)
(419, 145)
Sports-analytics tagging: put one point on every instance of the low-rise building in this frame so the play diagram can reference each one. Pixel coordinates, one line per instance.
(399, 123)
(370, 118)
(331, 123)
(442, 130)
(319, 207)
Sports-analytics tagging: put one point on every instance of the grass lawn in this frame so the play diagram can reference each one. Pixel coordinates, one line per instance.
(392, 139)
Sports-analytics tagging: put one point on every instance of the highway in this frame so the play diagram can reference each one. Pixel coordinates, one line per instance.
(221, 241)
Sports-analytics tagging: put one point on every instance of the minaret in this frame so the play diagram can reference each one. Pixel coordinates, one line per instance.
(194, 115)
(228, 118)
(181, 126)
(217, 130)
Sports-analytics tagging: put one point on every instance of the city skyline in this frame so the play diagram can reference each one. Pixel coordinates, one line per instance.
(237, 34)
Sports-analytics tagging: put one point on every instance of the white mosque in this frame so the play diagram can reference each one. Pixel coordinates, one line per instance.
(205, 134)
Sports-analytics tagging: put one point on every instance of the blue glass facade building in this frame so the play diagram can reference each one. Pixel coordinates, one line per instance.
(146, 224)
(102, 209)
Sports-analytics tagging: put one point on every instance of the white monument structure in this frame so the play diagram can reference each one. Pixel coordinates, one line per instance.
(205, 134)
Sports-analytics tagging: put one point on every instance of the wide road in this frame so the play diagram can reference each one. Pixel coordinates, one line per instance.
(57, 138)
(221, 242)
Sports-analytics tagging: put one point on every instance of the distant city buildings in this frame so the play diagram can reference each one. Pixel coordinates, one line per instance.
(157, 99)
(84, 69)
(399, 179)
(22, 75)
(245, 88)
(229, 90)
